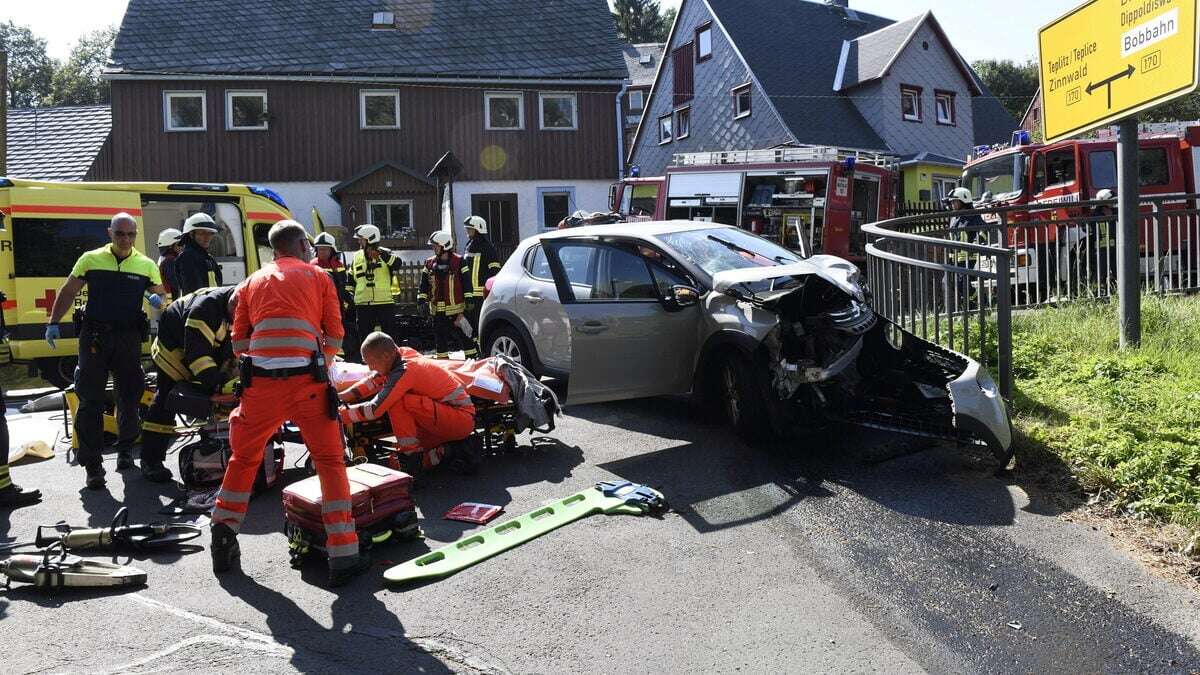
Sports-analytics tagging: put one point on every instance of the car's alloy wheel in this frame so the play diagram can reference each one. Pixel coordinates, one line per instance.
(731, 400)
(506, 346)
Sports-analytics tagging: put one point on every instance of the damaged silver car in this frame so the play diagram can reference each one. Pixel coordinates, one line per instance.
(775, 342)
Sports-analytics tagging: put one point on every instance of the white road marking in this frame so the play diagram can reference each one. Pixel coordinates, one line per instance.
(253, 645)
(251, 639)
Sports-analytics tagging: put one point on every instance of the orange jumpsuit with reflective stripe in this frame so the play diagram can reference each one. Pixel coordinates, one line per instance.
(288, 310)
(425, 404)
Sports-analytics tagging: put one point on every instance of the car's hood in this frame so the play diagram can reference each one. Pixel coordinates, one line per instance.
(837, 271)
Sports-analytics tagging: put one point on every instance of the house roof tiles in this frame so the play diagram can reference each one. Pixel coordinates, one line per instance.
(56, 143)
(524, 39)
(642, 74)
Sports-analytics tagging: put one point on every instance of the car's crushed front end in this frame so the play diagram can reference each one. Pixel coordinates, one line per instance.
(827, 352)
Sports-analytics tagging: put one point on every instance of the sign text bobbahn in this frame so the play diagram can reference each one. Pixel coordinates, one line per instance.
(1108, 59)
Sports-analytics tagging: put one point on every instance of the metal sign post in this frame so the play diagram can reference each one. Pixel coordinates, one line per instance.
(1129, 292)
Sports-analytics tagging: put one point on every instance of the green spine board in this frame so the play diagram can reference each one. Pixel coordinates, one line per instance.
(480, 546)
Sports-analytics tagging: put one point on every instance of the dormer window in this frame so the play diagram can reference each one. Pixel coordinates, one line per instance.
(383, 20)
(645, 59)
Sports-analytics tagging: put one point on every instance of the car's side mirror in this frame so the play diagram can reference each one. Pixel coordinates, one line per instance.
(681, 297)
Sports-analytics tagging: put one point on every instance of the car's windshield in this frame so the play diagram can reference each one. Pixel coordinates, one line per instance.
(725, 248)
(1000, 176)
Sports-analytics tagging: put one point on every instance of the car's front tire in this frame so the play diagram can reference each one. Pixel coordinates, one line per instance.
(59, 371)
(504, 340)
(736, 393)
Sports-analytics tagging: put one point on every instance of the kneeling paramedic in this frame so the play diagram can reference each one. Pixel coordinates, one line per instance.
(425, 404)
(444, 282)
(111, 329)
(192, 343)
(286, 329)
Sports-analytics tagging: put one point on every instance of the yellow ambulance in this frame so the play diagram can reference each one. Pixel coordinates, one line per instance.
(45, 226)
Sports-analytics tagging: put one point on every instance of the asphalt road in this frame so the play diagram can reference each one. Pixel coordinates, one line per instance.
(849, 552)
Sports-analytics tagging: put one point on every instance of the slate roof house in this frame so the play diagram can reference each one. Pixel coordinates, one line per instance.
(757, 74)
(348, 105)
(642, 60)
(59, 143)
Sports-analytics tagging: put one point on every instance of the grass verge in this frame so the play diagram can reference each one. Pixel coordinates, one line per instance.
(1127, 423)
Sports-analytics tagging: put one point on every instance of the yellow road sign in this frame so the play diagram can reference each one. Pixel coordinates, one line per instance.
(1108, 59)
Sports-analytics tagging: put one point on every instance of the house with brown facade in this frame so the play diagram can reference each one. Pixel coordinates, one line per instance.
(348, 106)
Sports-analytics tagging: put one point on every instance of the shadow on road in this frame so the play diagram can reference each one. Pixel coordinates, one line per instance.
(367, 633)
(914, 476)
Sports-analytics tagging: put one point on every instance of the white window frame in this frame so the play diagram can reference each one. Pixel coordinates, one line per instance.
(916, 96)
(229, 96)
(542, 192)
(737, 96)
(676, 128)
(171, 94)
(948, 97)
(391, 228)
(487, 109)
(362, 107)
(543, 95)
(700, 56)
(641, 100)
(663, 139)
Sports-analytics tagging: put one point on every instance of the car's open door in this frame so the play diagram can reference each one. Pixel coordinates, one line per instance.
(625, 341)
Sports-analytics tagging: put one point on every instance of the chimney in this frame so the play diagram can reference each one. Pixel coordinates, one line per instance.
(3, 112)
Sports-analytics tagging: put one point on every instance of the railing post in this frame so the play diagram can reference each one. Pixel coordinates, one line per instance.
(1004, 363)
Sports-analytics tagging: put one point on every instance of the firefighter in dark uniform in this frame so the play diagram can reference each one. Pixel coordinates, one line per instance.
(329, 260)
(442, 294)
(483, 264)
(192, 343)
(111, 330)
(195, 268)
(371, 272)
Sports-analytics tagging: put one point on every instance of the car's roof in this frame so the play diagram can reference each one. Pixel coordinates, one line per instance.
(641, 229)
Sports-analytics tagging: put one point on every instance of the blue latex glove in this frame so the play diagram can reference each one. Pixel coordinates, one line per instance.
(155, 300)
(52, 334)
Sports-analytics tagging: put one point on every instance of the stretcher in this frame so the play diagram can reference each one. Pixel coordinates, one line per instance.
(497, 419)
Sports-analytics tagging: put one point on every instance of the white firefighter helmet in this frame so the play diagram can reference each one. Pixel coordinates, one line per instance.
(476, 223)
(200, 221)
(324, 239)
(1105, 194)
(368, 232)
(169, 237)
(962, 194)
(441, 238)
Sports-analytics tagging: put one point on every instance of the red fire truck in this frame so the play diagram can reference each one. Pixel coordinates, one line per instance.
(812, 199)
(1061, 174)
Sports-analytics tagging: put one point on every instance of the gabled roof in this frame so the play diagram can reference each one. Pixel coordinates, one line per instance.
(337, 189)
(56, 143)
(793, 48)
(516, 39)
(869, 57)
(642, 74)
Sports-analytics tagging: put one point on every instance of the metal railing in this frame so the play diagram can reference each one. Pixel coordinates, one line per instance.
(954, 278)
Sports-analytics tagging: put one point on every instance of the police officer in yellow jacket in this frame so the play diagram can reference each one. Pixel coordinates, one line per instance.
(112, 327)
(371, 272)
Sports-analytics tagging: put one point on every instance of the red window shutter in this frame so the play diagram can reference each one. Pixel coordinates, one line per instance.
(683, 66)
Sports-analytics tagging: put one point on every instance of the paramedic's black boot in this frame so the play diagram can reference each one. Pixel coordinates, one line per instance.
(13, 497)
(124, 459)
(155, 472)
(343, 569)
(95, 476)
(226, 554)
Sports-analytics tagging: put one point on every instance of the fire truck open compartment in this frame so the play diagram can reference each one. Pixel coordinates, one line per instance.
(811, 199)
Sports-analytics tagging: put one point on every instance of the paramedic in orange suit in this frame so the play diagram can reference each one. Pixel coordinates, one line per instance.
(425, 404)
(286, 327)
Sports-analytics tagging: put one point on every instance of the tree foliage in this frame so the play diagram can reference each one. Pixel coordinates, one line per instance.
(35, 79)
(1015, 84)
(641, 21)
(78, 82)
(30, 70)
